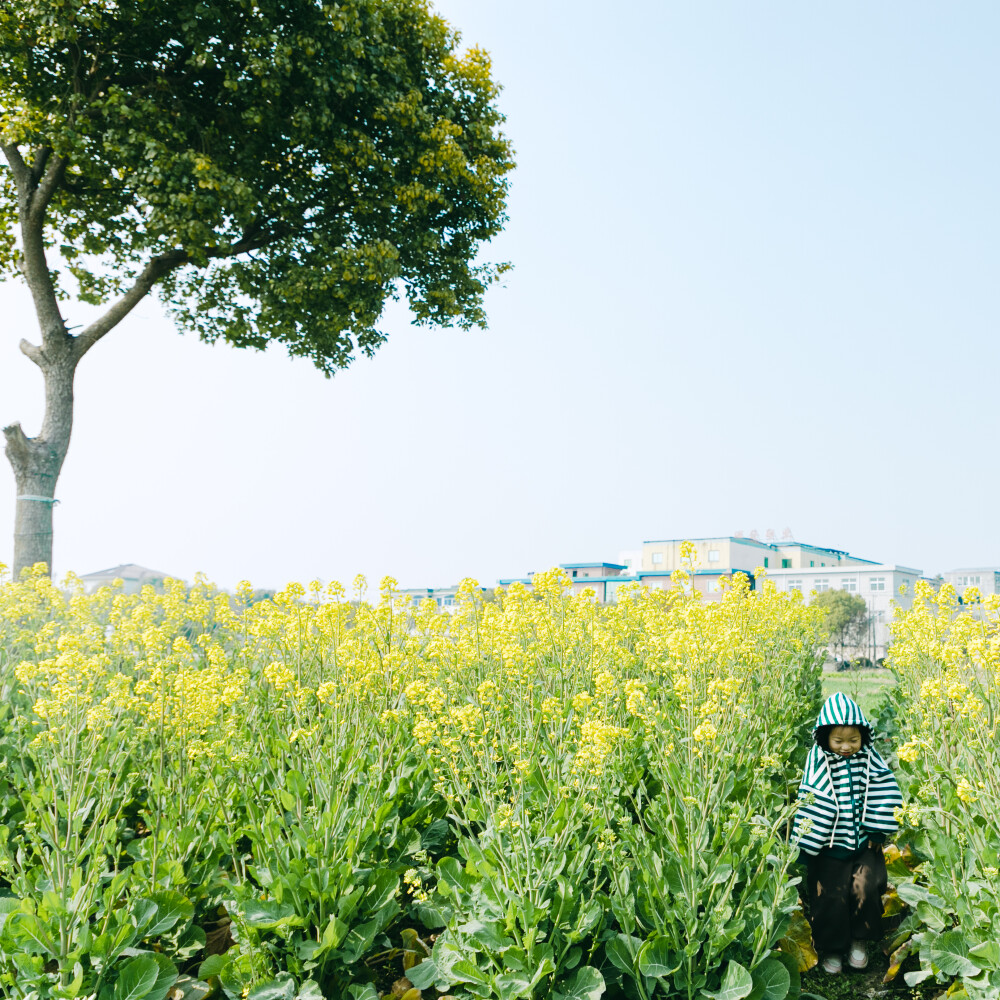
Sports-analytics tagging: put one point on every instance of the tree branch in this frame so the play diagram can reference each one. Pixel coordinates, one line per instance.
(42, 154)
(32, 351)
(32, 201)
(150, 274)
(47, 186)
(254, 237)
(17, 448)
(22, 175)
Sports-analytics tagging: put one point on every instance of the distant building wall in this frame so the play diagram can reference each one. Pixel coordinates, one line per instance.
(985, 578)
(878, 583)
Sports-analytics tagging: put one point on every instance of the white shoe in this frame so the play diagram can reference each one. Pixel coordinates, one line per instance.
(833, 965)
(858, 957)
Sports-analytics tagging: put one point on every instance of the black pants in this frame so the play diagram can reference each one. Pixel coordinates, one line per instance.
(845, 898)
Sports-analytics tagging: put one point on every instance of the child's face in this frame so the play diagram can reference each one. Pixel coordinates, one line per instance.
(845, 740)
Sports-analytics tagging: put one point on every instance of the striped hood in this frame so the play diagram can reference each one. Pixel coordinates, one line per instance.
(852, 797)
(839, 710)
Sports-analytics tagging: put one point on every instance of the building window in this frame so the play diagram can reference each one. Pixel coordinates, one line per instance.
(969, 581)
(811, 563)
(851, 586)
(822, 585)
(786, 563)
(876, 583)
(657, 558)
(795, 585)
(713, 555)
(765, 562)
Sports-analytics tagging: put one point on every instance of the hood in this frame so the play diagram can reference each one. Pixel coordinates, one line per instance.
(839, 710)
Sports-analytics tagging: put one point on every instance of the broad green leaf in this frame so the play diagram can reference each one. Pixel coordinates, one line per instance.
(720, 874)
(950, 953)
(143, 913)
(236, 976)
(465, 971)
(383, 889)
(423, 975)
(335, 932)
(737, 983)
(987, 955)
(296, 783)
(191, 989)
(656, 959)
(771, 981)
(489, 935)
(282, 987)
(911, 893)
(545, 966)
(434, 838)
(511, 985)
(359, 940)
(672, 875)
(212, 966)
(937, 920)
(192, 941)
(622, 951)
(165, 978)
(794, 976)
(8, 905)
(137, 978)
(451, 873)
(267, 914)
(29, 933)
(587, 983)
(171, 908)
(363, 991)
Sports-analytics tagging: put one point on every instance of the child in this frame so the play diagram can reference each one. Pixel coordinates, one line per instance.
(855, 796)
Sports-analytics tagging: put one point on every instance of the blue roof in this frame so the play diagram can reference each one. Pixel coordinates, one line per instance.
(694, 572)
(586, 565)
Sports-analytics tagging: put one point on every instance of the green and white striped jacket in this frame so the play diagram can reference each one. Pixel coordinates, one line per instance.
(853, 797)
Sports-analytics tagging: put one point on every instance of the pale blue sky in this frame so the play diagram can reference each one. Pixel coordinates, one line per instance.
(755, 285)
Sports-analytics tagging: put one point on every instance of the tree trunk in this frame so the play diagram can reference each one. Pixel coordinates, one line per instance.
(38, 461)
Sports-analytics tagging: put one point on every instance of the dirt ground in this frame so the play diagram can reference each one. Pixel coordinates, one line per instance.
(868, 985)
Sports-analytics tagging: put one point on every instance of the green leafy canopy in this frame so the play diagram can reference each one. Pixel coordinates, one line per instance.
(279, 168)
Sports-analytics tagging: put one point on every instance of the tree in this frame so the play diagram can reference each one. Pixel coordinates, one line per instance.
(275, 169)
(846, 618)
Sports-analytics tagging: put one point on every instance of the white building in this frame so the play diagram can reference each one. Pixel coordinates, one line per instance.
(985, 578)
(631, 559)
(133, 578)
(443, 597)
(882, 585)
